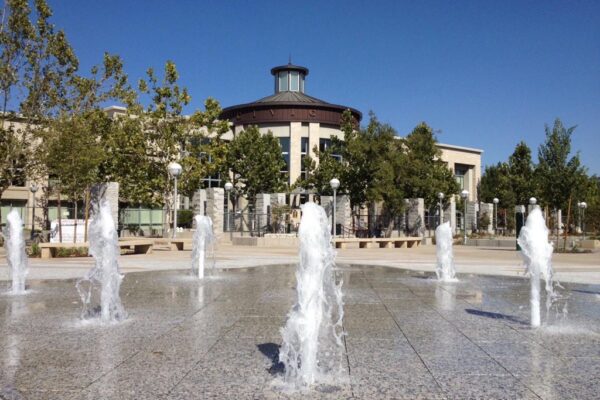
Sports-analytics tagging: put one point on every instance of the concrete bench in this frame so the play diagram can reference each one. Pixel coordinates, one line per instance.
(173, 244)
(140, 246)
(365, 243)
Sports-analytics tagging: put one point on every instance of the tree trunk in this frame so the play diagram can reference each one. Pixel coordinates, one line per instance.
(59, 218)
(75, 222)
(87, 214)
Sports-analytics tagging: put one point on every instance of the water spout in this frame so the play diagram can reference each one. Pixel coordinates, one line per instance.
(202, 238)
(312, 346)
(105, 276)
(445, 259)
(15, 252)
(537, 254)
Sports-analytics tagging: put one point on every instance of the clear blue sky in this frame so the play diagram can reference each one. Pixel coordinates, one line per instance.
(487, 74)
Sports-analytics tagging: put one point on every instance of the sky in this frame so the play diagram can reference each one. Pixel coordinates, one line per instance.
(483, 74)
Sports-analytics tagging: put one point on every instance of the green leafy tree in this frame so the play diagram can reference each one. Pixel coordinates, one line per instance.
(36, 61)
(522, 177)
(255, 161)
(73, 148)
(426, 174)
(560, 175)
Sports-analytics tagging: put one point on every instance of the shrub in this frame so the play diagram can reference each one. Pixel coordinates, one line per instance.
(185, 218)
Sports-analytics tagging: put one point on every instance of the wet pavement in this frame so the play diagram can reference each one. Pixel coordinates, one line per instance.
(408, 337)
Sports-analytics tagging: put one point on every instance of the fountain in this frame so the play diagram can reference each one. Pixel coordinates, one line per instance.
(445, 260)
(202, 238)
(104, 276)
(537, 254)
(15, 251)
(312, 346)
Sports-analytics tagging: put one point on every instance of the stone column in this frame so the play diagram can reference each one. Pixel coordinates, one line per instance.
(314, 129)
(109, 192)
(343, 212)
(277, 199)
(263, 204)
(415, 217)
(450, 214)
(487, 208)
(295, 158)
(199, 202)
(471, 216)
(215, 199)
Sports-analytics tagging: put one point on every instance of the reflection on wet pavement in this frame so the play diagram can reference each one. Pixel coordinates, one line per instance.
(408, 336)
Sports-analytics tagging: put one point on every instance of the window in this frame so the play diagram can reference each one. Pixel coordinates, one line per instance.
(283, 81)
(210, 181)
(294, 78)
(460, 172)
(325, 144)
(284, 142)
(302, 83)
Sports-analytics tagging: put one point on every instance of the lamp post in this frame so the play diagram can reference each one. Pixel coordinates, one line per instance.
(578, 217)
(174, 170)
(465, 195)
(335, 184)
(228, 187)
(583, 206)
(33, 188)
(496, 201)
(441, 197)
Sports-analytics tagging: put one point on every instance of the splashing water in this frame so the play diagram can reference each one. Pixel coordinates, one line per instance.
(202, 238)
(537, 254)
(445, 259)
(104, 276)
(15, 252)
(312, 346)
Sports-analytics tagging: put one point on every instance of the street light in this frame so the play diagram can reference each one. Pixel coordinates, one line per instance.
(441, 197)
(335, 184)
(583, 206)
(33, 188)
(465, 194)
(228, 187)
(174, 170)
(496, 201)
(532, 201)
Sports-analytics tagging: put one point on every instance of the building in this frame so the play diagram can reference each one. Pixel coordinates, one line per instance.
(300, 122)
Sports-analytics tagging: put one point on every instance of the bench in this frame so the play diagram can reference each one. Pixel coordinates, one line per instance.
(173, 244)
(140, 246)
(365, 243)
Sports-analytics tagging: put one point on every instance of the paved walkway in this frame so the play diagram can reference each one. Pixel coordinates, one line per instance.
(583, 268)
(408, 337)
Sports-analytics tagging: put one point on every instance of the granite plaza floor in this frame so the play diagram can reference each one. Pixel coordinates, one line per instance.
(408, 337)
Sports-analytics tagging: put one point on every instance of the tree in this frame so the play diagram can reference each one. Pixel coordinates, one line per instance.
(426, 173)
(72, 146)
(36, 61)
(521, 174)
(255, 161)
(560, 176)
(497, 182)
